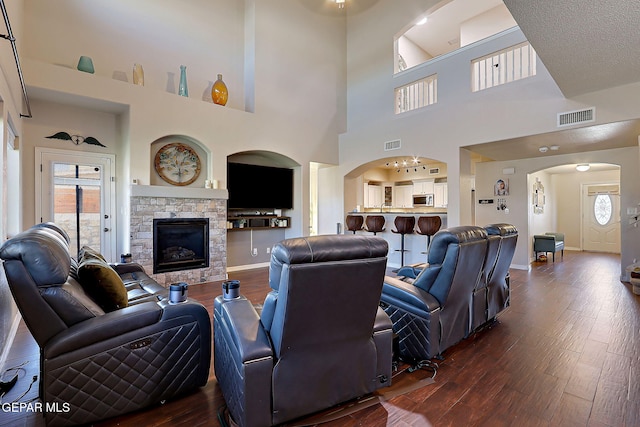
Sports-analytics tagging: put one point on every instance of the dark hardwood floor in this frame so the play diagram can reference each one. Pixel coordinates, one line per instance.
(564, 354)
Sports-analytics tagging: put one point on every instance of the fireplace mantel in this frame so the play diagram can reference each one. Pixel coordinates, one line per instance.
(178, 192)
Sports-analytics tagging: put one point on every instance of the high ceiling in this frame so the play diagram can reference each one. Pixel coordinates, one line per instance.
(587, 46)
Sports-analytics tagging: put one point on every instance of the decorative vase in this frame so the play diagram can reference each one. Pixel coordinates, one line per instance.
(86, 64)
(182, 88)
(138, 75)
(219, 92)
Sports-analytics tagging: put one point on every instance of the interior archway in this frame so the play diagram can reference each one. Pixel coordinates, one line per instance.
(561, 203)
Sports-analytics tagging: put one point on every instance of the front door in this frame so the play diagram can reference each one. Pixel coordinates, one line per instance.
(601, 218)
(76, 191)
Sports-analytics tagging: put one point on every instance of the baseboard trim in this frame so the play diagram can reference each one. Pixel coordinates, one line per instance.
(247, 267)
(10, 337)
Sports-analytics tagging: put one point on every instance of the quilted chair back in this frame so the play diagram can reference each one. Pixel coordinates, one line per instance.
(328, 290)
(498, 287)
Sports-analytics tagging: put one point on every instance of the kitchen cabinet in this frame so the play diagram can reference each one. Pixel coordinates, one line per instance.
(441, 195)
(403, 196)
(373, 197)
(423, 187)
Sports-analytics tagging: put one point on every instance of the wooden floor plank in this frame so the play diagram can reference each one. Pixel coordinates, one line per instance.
(563, 354)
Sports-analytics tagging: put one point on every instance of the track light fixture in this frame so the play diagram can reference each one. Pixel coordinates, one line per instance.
(406, 164)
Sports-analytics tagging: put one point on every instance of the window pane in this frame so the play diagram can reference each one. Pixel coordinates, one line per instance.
(602, 208)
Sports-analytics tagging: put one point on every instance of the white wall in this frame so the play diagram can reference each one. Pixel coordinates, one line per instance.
(411, 52)
(283, 96)
(486, 24)
(568, 189)
(519, 199)
(11, 106)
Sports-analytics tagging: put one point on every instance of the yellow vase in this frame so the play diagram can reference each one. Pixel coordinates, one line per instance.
(219, 92)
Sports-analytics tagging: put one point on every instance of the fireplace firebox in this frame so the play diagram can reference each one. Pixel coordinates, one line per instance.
(180, 244)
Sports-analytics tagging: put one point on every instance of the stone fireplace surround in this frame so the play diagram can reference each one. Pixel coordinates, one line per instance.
(148, 202)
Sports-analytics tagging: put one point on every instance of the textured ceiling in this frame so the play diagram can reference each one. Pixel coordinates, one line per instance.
(586, 46)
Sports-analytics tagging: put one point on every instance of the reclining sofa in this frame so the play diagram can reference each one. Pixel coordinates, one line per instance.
(463, 286)
(320, 339)
(102, 354)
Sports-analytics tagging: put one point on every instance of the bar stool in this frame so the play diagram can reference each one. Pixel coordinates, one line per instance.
(354, 223)
(428, 226)
(404, 225)
(375, 223)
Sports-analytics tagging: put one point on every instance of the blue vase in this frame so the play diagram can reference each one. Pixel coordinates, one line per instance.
(182, 89)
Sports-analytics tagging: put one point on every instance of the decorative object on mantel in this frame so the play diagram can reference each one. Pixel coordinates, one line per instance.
(86, 64)
(182, 88)
(76, 139)
(177, 164)
(219, 92)
(138, 75)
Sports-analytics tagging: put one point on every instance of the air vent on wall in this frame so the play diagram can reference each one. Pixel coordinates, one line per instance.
(578, 116)
(434, 171)
(392, 145)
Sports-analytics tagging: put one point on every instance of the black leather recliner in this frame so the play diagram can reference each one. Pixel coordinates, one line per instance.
(321, 338)
(434, 311)
(479, 301)
(102, 364)
(498, 286)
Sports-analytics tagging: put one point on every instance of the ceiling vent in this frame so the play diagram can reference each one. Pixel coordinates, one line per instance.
(434, 171)
(392, 145)
(575, 117)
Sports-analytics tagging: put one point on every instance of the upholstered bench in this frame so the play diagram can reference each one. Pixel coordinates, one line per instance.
(549, 242)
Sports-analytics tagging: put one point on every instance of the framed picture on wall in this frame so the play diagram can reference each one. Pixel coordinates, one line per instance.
(538, 197)
(501, 188)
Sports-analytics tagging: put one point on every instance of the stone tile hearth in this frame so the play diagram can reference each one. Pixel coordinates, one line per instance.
(150, 202)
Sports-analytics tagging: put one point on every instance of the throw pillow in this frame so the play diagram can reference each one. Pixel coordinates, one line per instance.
(88, 252)
(102, 283)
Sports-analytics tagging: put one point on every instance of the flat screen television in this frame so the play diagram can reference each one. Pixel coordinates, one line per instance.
(259, 187)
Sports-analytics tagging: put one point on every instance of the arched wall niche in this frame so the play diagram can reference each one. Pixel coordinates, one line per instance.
(203, 153)
(263, 158)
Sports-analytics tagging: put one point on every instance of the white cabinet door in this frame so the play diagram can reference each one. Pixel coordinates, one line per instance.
(373, 197)
(441, 196)
(403, 196)
(423, 187)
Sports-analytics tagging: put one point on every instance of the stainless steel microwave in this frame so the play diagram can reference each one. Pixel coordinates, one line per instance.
(422, 200)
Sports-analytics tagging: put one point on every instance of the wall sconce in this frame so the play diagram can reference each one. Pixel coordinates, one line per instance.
(583, 167)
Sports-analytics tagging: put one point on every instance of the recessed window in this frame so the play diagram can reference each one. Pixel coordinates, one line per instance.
(602, 208)
(417, 94)
(504, 66)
